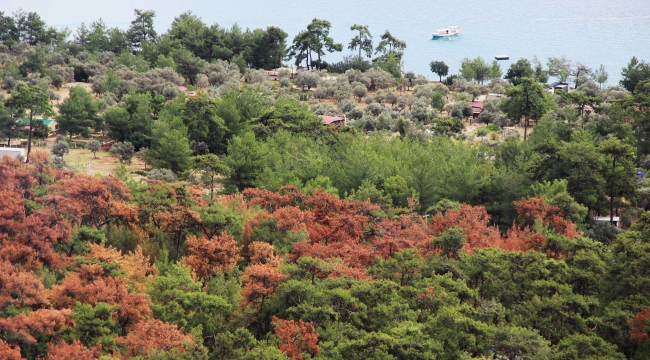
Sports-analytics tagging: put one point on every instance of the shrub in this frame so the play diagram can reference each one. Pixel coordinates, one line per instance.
(60, 148)
(94, 146)
(165, 175)
(349, 62)
(122, 151)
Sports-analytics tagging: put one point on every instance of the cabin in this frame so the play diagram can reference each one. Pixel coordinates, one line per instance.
(606, 219)
(275, 73)
(559, 85)
(50, 124)
(477, 108)
(16, 153)
(332, 120)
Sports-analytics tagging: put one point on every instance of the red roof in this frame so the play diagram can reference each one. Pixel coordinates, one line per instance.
(330, 119)
(476, 104)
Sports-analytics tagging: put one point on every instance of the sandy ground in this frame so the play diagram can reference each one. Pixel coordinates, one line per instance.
(82, 160)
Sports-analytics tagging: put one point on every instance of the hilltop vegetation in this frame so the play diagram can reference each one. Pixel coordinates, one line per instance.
(256, 231)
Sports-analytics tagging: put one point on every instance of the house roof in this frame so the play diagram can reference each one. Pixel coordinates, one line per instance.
(476, 104)
(330, 119)
(25, 121)
(605, 218)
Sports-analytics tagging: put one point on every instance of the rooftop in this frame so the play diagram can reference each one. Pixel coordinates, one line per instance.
(331, 119)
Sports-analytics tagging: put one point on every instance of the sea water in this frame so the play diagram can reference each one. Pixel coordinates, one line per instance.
(594, 32)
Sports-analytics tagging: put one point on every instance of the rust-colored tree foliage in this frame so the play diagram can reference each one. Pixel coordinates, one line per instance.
(263, 253)
(45, 322)
(529, 210)
(65, 351)
(639, 326)
(90, 285)
(296, 337)
(20, 289)
(475, 220)
(208, 256)
(152, 334)
(101, 200)
(9, 352)
(137, 266)
(260, 282)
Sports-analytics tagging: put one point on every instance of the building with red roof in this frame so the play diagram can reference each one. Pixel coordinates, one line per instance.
(332, 120)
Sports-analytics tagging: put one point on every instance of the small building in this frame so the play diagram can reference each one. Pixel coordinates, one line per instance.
(616, 219)
(275, 73)
(332, 120)
(477, 108)
(16, 153)
(559, 85)
(51, 124)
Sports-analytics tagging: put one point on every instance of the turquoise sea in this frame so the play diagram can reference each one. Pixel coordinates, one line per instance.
(594, 32)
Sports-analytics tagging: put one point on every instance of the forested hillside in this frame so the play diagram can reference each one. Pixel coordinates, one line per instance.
(95, 265)
(416, 229)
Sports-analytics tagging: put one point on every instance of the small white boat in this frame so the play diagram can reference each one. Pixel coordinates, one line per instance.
(446, 33)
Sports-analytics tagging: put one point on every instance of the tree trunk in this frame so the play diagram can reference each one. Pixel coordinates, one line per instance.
(360, 42)
(310, 59)
(526, 129)
(29, 141)
(319, 67)
(611, 196)
(212, 187)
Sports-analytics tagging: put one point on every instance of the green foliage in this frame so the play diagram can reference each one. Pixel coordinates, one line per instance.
(94, 324)
(368, 191)
(519, 70)
(634, 73)
(77, 112)
(289, 115)
(60, 148)
(438, 101)
(450, 242)
(439, 68)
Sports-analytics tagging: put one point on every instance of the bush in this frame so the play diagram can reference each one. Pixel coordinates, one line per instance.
(450, 80)
(60, 148)
(94, 146)
(165, 175)
(349, 62)
(603, 232)
(122, 151)
(481, 131)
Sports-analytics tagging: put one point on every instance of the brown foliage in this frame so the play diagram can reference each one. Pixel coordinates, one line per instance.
(102, 200)
(20, 289)
(260, 282)
(43, 321)
(137, 266)
(297, 337)
(65, 351)
(475, 220)
(9, 352)
(528, 210)
(639, 326)
(90, 285)
(207, 256)
(152, 334)
(263, 253)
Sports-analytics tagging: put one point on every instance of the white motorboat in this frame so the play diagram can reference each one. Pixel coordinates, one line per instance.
(446, 33)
